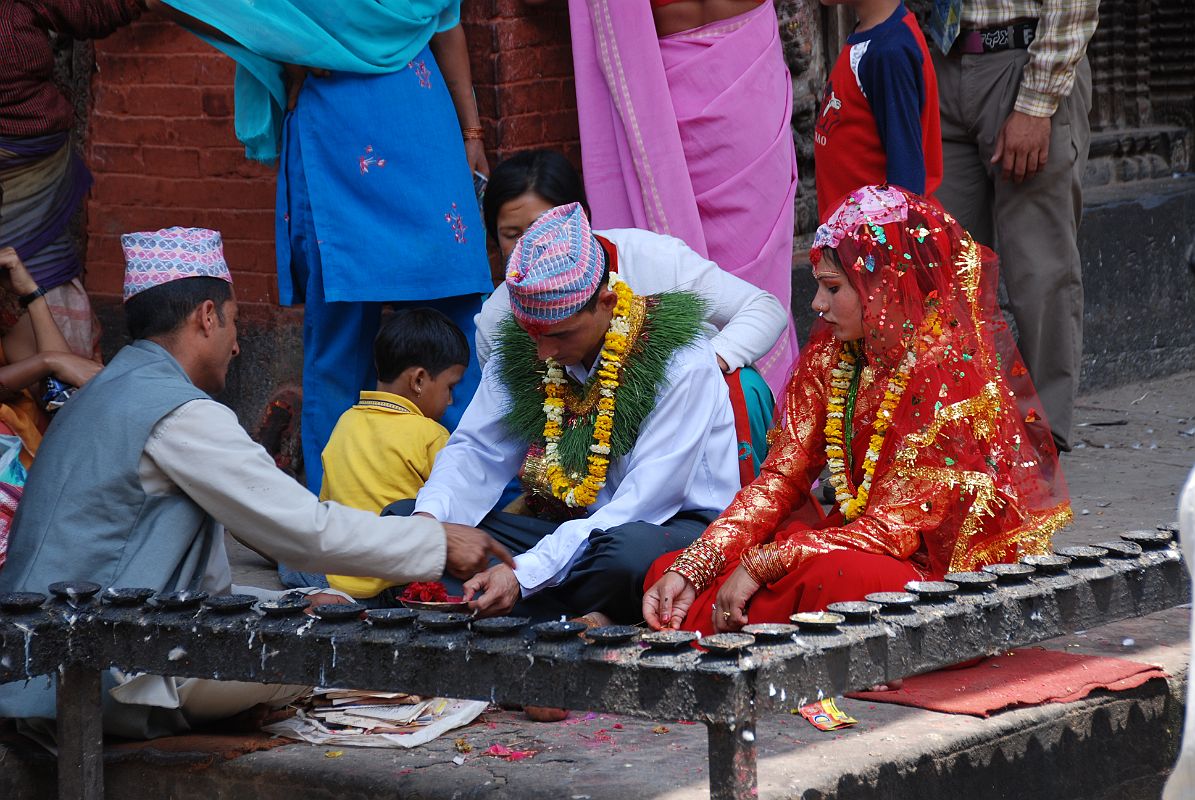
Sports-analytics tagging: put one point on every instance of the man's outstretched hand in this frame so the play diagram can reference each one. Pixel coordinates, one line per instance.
(469, 551)
(498, 589)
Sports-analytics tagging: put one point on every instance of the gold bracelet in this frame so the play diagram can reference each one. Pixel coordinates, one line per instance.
(747, 561)
(700, 564)
(472, 133)
(774, 561)
(763, 564)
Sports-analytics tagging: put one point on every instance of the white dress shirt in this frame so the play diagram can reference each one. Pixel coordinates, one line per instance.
(201, 449)
(742, 321)
(683, 460)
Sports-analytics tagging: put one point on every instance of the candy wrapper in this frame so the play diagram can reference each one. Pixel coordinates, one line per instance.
(826, 716)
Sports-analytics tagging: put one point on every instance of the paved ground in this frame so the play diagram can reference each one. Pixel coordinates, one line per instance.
(1136, 447)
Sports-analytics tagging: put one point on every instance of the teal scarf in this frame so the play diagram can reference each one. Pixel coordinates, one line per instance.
(362, 36)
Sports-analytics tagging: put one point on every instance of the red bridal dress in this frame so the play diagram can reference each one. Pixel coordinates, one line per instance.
(934, 402)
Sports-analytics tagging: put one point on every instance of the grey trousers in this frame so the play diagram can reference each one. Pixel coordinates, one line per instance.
(1033, 226)
(609, 574)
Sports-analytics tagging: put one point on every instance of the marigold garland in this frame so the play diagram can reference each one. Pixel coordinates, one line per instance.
(853, 504)
(574, 491)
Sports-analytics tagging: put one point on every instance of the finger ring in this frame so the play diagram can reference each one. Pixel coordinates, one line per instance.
(726, 614)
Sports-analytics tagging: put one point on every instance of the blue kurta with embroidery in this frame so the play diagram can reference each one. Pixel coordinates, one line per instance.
(392, 199)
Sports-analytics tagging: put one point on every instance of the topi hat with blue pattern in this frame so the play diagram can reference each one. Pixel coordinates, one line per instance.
(153, 258)
(555, 267)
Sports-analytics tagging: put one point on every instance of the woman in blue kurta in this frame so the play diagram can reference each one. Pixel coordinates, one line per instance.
(375, 197)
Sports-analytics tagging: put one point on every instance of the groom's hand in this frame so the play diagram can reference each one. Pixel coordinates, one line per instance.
(498, 589)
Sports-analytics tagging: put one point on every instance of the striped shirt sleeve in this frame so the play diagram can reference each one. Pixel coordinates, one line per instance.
(1063, 31)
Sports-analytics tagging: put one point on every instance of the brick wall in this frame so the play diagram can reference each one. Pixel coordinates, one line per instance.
(163, 151)
(523, 75)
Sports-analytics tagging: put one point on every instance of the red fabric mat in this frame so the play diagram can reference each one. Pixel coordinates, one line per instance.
(193, 751)
(1019, 678)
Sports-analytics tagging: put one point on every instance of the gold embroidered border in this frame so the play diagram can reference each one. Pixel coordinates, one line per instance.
(1032, 538)
(982, 408)
(984, 497)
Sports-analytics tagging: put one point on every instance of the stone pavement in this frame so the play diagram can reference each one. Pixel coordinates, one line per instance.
(1135, 447)
(1138, 445)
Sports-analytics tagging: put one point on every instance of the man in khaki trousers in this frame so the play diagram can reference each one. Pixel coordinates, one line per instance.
(1015, 91)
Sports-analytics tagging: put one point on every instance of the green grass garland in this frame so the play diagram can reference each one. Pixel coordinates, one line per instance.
(673, 321)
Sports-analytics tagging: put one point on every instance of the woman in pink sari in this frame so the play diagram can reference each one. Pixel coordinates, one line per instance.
(684, 112)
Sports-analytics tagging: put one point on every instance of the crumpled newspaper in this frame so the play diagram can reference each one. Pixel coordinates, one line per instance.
(424, 721)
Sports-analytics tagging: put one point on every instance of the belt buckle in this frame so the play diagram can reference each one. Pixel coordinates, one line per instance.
(970, 43)
(995, 40)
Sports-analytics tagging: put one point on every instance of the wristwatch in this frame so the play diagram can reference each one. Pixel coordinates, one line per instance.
(26, 299)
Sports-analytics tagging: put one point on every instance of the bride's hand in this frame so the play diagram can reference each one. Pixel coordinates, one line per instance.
(667, 602)
(730, 607)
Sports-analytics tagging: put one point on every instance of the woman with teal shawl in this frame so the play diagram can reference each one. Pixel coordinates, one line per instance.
(376, 203)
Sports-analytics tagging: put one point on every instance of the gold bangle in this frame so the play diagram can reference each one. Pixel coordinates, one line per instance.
(700, 564)
(747, 560)
(472, 133)
(764, 564)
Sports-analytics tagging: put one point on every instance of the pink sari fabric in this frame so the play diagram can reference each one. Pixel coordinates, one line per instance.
(689, 135)
(10, 496)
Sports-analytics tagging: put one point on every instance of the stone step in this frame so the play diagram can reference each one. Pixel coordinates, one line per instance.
(1110, 745)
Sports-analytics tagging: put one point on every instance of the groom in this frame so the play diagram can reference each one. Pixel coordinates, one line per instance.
(611, 408)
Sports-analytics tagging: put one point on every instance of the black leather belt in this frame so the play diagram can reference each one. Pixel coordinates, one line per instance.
(1014, 36)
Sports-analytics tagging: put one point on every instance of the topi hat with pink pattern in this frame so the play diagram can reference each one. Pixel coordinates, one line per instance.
(153, 258)
(555, 267)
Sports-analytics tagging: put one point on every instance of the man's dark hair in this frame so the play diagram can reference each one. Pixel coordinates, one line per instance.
(418, 337)
(163, 309)
(592, 302)
(546, 172)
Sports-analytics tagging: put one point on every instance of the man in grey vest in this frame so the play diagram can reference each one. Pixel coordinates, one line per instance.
(142, 470)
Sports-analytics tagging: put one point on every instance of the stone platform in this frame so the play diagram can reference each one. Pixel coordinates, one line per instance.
(1109, 745)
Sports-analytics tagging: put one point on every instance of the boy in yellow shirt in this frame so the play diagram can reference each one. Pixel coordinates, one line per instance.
(382, 449)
